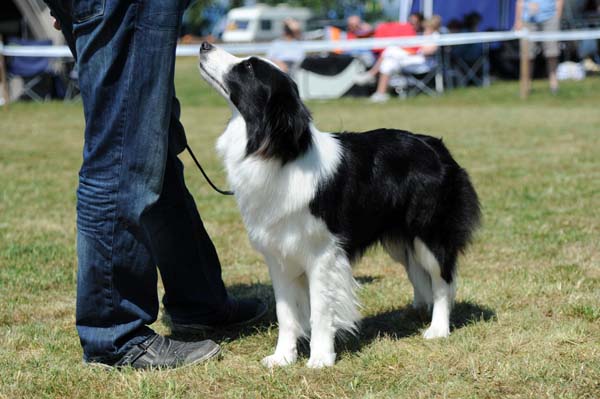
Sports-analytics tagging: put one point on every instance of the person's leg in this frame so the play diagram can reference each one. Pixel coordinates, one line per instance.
(551, 52)
(392, 60)
(195, 295)
(368, 77)
(382, 83)
(533, 27)
(385, 65)
(186, 256)
(126, 54)
(375, 68)
(551, 64)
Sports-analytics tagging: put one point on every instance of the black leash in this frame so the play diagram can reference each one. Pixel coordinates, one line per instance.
(204, 174)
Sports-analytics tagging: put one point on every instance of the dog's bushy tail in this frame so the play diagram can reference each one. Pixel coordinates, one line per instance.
(466, 211)
(458, 207)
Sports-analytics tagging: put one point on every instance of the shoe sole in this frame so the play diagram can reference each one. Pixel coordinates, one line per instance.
(201, 328)
(213, 353)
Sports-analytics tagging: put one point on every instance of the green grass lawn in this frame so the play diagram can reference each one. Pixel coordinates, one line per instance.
(526, 323)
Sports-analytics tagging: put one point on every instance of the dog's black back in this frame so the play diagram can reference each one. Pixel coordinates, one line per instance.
(395, 185)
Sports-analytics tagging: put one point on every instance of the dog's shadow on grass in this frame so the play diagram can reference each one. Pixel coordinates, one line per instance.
(396, 324)
(406, 321)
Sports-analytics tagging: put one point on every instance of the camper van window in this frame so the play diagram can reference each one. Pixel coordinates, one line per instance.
(266, 24)
(238, 24)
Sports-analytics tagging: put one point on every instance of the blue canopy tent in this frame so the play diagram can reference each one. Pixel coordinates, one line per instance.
(496, 14)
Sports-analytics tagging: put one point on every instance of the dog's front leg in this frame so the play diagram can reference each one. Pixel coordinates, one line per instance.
(291, 298)
(322, 337)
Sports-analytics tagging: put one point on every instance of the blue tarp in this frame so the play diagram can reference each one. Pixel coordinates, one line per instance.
(496, 14)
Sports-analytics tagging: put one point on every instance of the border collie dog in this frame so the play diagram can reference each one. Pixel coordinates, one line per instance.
(313, 202)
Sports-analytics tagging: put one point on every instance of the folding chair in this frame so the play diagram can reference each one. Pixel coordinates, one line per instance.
(422, 78)
(467, 64)
(32, 70)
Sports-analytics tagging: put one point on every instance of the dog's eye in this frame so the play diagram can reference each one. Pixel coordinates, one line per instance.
(248, 66)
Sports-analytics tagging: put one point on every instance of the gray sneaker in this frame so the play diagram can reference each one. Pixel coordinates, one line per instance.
(162, 352)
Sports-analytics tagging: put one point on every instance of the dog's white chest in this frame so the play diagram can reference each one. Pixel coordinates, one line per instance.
(276, 211)
(273, 198)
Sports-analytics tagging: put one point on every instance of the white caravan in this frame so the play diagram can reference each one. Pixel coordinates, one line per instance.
(261, 22)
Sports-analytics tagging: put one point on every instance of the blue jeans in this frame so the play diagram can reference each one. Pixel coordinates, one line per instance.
(134, 212)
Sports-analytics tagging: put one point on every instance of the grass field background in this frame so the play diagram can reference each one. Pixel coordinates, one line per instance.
(526, 323)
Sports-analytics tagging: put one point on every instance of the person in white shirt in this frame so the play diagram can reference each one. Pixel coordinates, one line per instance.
(287, 52)
(541, 15)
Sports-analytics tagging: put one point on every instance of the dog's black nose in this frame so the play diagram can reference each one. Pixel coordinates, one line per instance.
(206, 47)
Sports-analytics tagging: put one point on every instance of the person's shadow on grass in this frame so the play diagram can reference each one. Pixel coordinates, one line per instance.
(397, 323)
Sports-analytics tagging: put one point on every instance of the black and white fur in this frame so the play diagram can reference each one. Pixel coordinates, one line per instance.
(313, 202)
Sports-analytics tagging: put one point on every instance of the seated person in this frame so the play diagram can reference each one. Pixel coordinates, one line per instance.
(469, 53)
(287, 52)
(394, 58)
(416, 20)
(357, 28)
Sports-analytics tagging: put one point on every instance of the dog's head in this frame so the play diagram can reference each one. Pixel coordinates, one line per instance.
(277, 122)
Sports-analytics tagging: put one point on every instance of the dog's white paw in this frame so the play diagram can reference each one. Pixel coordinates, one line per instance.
(278, 360)
(321, 360)
(436, 332)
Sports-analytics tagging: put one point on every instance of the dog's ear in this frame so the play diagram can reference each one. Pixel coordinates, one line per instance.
(286, 123)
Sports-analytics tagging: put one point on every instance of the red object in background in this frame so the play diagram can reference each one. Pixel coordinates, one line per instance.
(394, 29)
(359, 35)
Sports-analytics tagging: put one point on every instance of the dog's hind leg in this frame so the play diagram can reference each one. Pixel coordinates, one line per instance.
(419, 278)
(293, 309)
(443, 291)
(333, 306)
(421, 281)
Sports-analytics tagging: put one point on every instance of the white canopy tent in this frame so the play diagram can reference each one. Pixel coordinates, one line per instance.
(427, 8)
(405, 6)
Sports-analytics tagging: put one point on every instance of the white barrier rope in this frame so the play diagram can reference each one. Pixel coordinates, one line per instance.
(451, 39)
